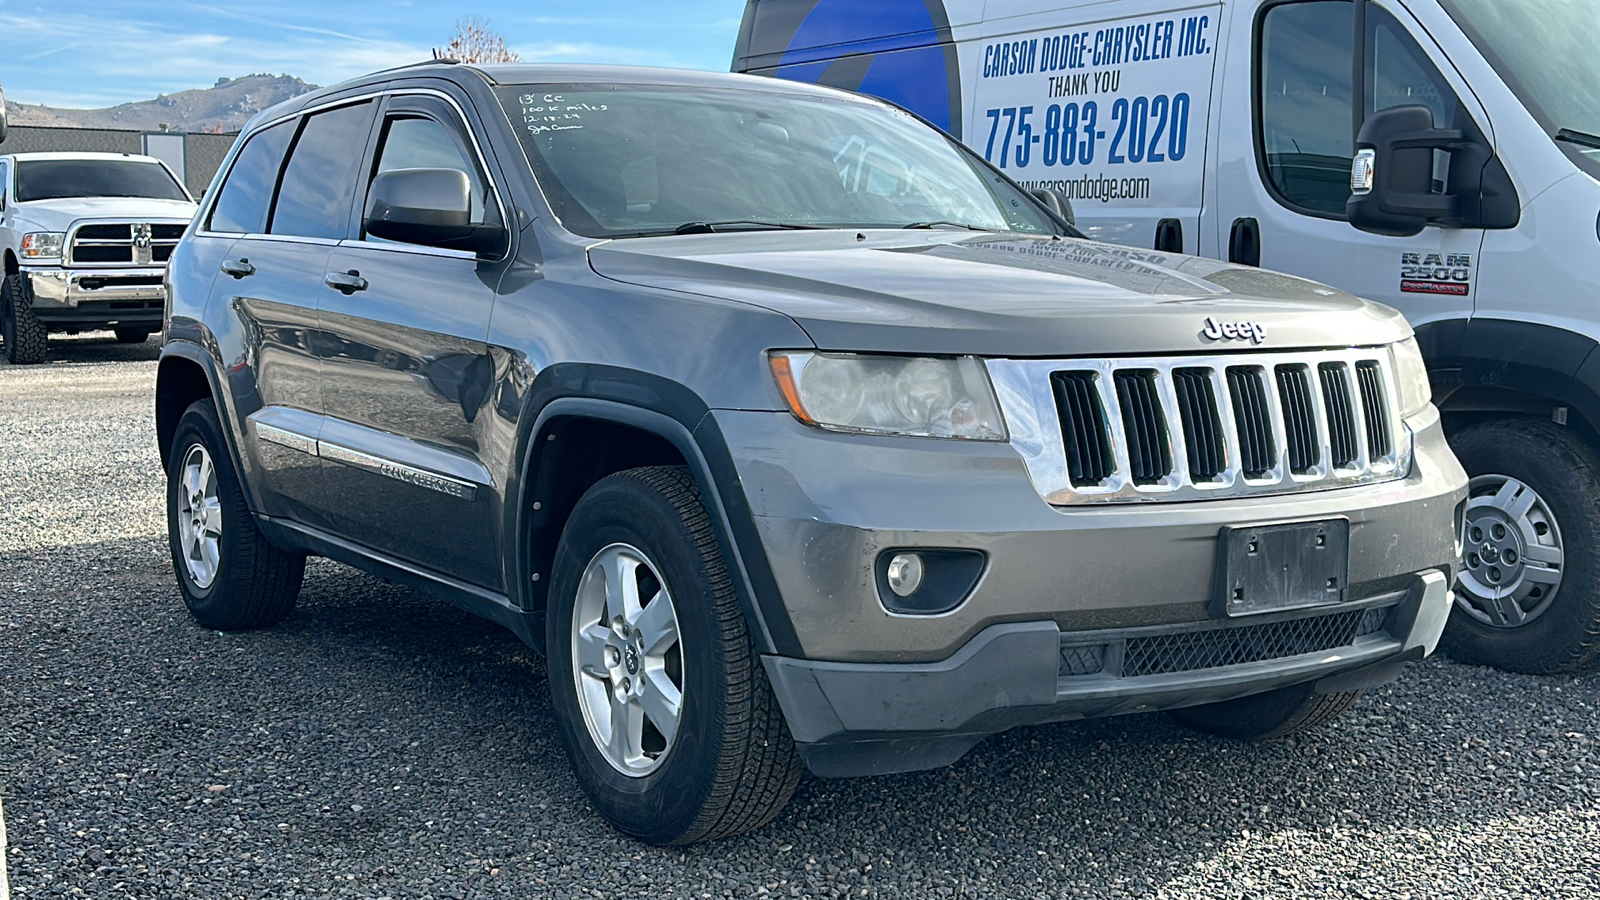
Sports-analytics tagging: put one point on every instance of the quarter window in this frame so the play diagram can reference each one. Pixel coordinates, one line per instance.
(319, 183)
(245, 195)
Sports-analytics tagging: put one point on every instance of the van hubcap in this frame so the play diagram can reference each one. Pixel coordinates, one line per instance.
(199, 516)
(1512, 556)
(626, 660)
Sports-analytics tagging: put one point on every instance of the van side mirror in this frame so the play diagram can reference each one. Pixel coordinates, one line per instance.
(1391, 177)
(431, 207)
(1057, 202)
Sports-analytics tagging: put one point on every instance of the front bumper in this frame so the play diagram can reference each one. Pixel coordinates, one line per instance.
(124, 296)
(852, 719)
(874, 691)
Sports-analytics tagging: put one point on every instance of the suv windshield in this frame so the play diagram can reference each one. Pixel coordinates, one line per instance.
(1544, 51)
(54, 179)
(636, 160)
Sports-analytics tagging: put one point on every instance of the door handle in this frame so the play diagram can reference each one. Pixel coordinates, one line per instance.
(238, 268)
(346, 283)
(1244, 243)
(1169, 236)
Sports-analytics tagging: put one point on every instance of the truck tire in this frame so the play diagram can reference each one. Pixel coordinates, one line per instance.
(644, 632)
(24, 335)
(231, 577)
(1523, 603)
(1269, 715)
(132, 335)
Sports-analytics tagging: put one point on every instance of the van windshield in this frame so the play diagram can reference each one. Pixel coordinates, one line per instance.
(627, 160)
(1544, 50)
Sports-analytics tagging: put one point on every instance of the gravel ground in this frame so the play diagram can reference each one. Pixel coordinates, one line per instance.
(382, 744)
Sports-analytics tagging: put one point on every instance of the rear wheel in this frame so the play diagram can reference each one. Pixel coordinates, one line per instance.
(1528, 599)
(132, 335)
(1269, 715)
(231, 577)
(24, 335)
(661, 702)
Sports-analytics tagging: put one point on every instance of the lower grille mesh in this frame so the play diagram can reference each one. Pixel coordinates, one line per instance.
(1167, 653)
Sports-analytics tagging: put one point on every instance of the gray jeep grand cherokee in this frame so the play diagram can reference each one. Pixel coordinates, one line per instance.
(792, 432)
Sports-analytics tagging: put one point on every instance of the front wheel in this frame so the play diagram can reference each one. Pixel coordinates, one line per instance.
(1528, 599)
(24, 335)
(662, 704)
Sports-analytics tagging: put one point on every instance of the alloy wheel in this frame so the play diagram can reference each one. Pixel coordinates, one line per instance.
(199, 521)
(627, 661)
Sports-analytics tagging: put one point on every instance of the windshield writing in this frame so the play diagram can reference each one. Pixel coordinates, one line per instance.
(629, 160)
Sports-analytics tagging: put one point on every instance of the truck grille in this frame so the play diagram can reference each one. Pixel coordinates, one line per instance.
(117, 244)
(1212, 648)
(1096, 431)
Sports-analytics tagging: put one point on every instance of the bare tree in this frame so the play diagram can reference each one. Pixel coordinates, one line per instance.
(476, 42)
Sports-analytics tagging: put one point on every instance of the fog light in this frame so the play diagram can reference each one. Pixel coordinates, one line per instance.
(905, 574)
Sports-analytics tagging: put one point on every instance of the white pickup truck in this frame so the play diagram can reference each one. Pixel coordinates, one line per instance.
(84, 240)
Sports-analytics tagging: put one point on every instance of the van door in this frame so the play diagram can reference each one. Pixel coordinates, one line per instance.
(1289, 114)
(1111, 111)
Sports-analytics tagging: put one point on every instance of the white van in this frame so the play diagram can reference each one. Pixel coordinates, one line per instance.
(1236, 129)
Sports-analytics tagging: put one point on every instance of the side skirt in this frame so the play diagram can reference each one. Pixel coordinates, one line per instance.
(293, 536)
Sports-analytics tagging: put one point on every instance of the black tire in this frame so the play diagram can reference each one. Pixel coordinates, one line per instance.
(1562, 469)
(733, 766)
(24, 335)
(1270, 715)
(132, 335)
(254, 584)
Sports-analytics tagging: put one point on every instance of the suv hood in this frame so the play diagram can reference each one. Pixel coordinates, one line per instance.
(997, 295)
(58, 215)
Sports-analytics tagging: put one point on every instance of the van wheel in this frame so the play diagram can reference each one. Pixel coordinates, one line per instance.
(1527, 599)
(24, 335)
(230, 576)
(661, 702)
(1269, 715)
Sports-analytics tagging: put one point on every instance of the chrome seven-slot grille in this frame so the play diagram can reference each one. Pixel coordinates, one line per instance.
(123, 243)
(1199, 427)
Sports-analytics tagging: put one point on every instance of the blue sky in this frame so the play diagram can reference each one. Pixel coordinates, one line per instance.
(92, 53)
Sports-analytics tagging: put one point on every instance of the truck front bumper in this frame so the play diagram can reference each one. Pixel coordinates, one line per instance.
(97, 297)
(1077, 612)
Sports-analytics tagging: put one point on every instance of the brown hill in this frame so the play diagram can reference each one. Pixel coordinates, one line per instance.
(226, 106)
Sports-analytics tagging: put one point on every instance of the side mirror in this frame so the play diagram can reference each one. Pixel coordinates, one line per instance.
(1057, 202)
(1391, 177)
(432, 207)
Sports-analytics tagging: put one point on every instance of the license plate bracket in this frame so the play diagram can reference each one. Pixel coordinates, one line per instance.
(1277, 567)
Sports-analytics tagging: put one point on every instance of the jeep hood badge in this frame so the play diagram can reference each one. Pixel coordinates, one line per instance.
(1233, 331)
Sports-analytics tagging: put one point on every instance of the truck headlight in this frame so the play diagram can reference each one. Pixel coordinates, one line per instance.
(43, 245)
(1410, 377)
(918, 396)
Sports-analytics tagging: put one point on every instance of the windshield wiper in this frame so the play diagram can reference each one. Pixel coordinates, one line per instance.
(945, 224)
(1581, 138)
(739, 225)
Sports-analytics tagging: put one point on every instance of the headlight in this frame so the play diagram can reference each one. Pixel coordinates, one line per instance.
(918, 396)
(43, 245)
(1410, 377)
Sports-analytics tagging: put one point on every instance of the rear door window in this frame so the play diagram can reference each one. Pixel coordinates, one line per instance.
(319, 182)
(245, 195)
